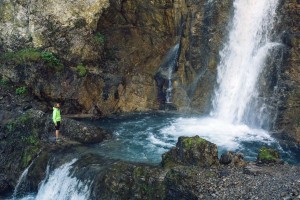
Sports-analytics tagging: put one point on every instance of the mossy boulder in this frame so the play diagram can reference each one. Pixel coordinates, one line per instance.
(268, 155)
(191, 151)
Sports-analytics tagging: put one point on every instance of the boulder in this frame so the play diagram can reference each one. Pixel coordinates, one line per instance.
(230, 158)
(226, 158)
(268, 155)
(83, 132)
(191, 151)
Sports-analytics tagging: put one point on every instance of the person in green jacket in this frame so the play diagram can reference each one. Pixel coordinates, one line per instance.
(56, 119)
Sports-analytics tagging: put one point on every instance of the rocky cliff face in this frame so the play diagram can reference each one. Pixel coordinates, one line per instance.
(288, 121)
(122, 45)
(103, 57)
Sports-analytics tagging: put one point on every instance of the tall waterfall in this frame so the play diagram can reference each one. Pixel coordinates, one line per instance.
(243, 59)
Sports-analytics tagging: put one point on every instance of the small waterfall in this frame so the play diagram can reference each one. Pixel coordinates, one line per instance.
(169, 66)
(242, 61)
(22, 178)
(61, 185)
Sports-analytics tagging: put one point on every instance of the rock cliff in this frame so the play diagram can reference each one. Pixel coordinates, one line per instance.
(102, 57)
(288, 121)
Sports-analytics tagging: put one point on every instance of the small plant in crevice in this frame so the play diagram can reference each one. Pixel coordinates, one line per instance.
(81, 69)
(21, 90)
(99, 38)
(52, 61)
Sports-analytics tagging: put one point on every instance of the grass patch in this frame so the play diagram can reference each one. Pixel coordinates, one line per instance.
(21, 90)
(32, 55)
(21, 56)
(81, 69)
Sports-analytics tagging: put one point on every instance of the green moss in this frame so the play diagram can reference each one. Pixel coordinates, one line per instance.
(52, 61)
(29, 154)
(192, 141)
(10, 127)
(268, 154)
(81, 69)
(21, 90)
(22, 56)
(100, 39)
(168, 160)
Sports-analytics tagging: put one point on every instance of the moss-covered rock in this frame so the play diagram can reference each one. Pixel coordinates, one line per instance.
(268, 155)
(191, 151)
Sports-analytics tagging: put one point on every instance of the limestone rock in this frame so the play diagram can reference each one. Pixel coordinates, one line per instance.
(59, 24)
(191, 151)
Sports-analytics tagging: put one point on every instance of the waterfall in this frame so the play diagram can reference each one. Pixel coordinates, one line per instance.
(242, 61)
(61, 185)
(170, 64)
(22, 178)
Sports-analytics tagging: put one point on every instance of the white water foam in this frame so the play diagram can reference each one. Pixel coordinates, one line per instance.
(225, 135)
(61, 185)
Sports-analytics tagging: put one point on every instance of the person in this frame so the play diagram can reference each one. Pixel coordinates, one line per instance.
(57, 120)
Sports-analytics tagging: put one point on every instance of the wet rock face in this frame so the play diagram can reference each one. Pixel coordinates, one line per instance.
(28, 134)
(63, 26)
(122, 44)
(288, 123)
(4, 185)
(191, 151)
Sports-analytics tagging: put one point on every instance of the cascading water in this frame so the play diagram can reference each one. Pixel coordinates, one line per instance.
(171, 61)
(60, 184)
(242, 61)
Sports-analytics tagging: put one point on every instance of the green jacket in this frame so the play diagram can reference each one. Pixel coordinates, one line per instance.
(56, 115)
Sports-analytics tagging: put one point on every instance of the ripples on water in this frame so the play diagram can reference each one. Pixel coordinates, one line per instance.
(145, 137)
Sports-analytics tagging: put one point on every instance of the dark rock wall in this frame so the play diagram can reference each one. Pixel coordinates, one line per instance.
(288, 120)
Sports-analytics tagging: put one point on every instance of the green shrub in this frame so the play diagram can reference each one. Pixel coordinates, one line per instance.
(100, 39)
(21, 90)
(52, 61)
(81, 69)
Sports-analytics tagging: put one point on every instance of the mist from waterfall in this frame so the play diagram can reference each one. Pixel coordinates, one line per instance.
(242, 60)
